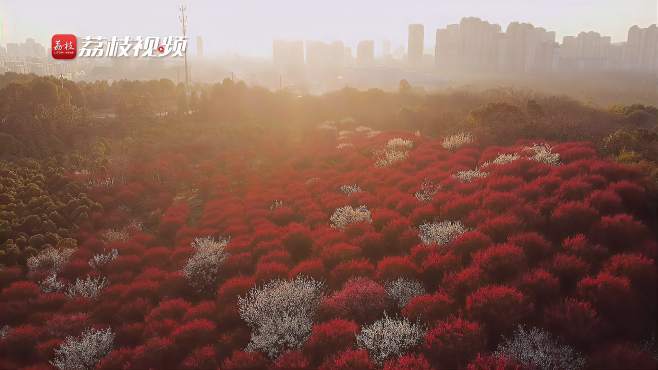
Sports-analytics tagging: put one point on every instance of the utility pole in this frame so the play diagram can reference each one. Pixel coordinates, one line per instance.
(182, 18)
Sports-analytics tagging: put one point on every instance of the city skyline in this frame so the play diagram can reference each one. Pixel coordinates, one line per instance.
(239, 28)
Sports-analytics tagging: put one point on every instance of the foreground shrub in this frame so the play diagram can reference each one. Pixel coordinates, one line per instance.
(280, 314)
(389, 337)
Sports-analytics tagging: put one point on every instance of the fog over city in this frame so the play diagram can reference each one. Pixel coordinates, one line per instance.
(314, 47)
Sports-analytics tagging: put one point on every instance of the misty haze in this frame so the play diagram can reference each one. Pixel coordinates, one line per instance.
(344, 185)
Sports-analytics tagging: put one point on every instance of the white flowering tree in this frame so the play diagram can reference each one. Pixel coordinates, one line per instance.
(280, 314)
(503, 158)
(440, 233)
(51, 284)
(276, 204)
(470, 175)
(4, 331)
(51, 260)
(85, 351)
(102, 259)
(427, 191)
(538, 349)
(347, 215)
(457, 141)
(203, 266)
(543, 153)
(403, 290)
(113, 235)
(350, 189)
(389, 337)
(396, 150)
(91, 287)
(399, 143)
(389, 156)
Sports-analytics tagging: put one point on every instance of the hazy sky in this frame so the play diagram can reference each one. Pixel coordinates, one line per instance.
(248, 26)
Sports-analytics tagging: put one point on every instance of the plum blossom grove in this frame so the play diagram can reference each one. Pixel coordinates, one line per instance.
(546, 262)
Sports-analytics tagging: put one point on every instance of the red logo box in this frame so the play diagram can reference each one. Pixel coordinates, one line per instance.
(64, 46)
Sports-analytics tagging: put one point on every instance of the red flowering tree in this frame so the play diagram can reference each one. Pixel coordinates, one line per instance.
(452, 343)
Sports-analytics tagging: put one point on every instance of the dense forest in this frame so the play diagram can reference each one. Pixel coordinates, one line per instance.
(144, 225)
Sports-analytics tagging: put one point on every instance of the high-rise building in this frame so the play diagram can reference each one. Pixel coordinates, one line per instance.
(322, 54)
(642, 49)
(415, 44)
(527, 48)
(14, 50)
(473, 44)
(386, 48)
(587, 51)
(288, 53)
(199, 47)
(447, 51)
(365, 52)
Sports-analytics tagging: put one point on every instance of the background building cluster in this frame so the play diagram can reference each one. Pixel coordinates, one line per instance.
(477, 45)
